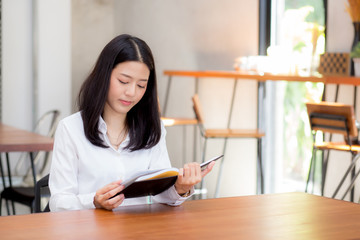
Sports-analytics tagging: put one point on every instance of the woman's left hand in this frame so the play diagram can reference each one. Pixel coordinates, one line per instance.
(190, 175)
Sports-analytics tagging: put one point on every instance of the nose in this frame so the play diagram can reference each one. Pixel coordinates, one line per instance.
(130, 90)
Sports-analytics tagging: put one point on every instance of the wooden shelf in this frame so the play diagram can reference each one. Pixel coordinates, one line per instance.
(349, 80)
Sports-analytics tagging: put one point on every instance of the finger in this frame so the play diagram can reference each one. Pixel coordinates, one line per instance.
(194, 166)
(115, 202)
(113, 192)
(198, 170)
(102, 198)
(195, 174)
(187, 170)
(122, 198)
(180, 175)
(207, 169)
(109, 187)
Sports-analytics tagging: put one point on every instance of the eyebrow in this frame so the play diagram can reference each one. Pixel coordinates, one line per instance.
(128, 76)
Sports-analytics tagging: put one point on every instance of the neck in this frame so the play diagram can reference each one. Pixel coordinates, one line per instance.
(116, 127)
(115, 122)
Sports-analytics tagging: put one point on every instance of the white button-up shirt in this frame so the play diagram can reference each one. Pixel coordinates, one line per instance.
(80, 168)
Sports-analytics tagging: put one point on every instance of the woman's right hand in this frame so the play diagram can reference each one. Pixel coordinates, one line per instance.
(103, 196)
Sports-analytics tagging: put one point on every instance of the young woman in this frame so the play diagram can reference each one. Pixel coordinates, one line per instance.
(116, 133)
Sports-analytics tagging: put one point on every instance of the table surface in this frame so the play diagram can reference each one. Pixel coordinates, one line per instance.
(17, 140)
(274, 216)
(349, 80)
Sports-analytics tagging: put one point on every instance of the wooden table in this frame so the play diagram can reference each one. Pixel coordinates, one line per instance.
(17, 140)
(278, 216)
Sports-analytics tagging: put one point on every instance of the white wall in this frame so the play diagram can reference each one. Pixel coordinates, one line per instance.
(52, 60)
(202, 35)
(16, 63)
(54, 56)
(92, 27)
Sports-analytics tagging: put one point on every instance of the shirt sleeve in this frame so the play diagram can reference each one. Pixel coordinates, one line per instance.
(63, 182)
(160, 159)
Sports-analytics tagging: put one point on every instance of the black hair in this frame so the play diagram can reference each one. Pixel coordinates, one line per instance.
(143, 120)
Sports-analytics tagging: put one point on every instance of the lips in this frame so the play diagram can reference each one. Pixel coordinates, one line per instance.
(126, 103)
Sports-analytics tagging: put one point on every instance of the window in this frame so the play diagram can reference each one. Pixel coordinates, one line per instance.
(297, 38)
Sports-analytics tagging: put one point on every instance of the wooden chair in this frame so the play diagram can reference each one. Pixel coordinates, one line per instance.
(45, 125)
(333, 118)
(226, 134)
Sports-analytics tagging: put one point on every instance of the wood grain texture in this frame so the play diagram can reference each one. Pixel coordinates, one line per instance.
(17, 140)
(332, 108)
(276, 216)
(347, 80)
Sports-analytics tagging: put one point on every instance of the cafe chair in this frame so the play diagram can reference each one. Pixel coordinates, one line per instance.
(25, 193)
(42, 190)
(225, 134)
(46, 126)
(333, 119)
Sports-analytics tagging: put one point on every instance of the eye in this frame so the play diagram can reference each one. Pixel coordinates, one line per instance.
(123, 82)
(141, 86)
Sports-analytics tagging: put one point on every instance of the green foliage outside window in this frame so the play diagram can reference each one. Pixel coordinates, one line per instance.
(297, 138)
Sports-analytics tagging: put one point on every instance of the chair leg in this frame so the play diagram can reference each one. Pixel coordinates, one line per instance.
(13, 207)
(220, 171)
(4, 186)
(325, 162)
(46, 160)
(260, 167)
(313, 174)
(313, 157)
(10, 179)
(6, 204)
(352, 165)
(353, 188)
(7, 207)
(351, 185)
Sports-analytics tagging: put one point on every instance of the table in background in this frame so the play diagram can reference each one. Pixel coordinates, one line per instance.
(277, 216)
(17, 140)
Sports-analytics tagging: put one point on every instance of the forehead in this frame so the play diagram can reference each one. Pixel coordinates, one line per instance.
(132, 69)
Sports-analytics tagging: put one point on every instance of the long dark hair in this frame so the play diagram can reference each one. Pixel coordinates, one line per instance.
(143, 120)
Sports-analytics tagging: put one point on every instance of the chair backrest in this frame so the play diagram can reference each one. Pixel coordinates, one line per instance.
(46, 125)
(332, 118)
(197, 109)
(41, 188)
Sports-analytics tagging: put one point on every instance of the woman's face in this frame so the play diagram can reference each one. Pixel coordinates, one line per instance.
(128, 83)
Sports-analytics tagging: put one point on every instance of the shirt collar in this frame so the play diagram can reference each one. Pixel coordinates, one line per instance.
(102, 126)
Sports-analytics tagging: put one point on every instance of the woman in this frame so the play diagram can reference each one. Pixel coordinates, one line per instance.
(116, 133)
